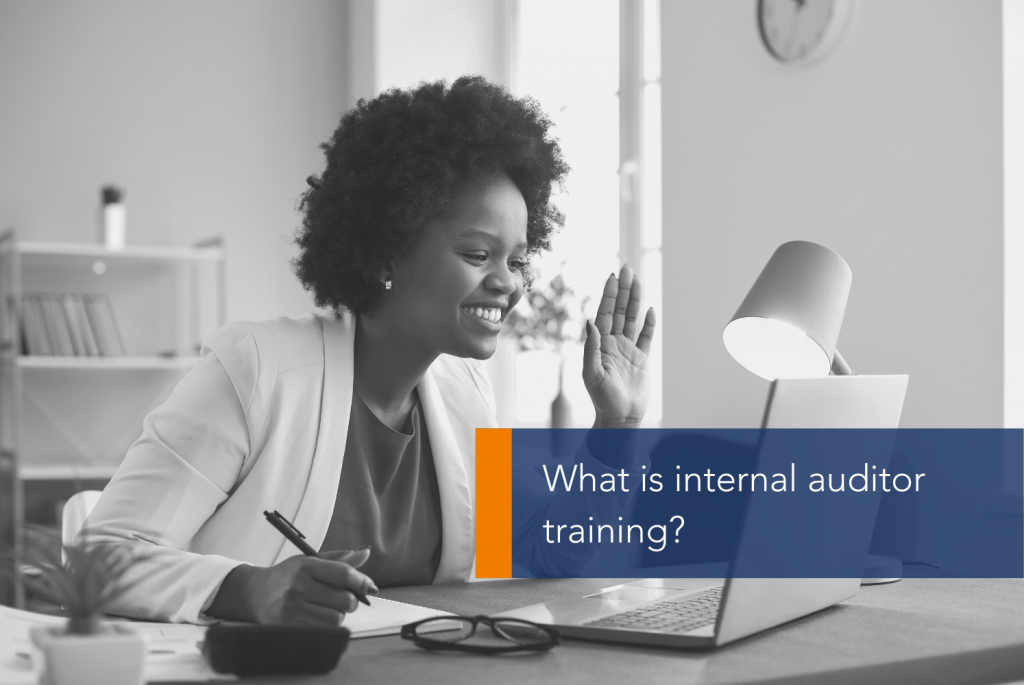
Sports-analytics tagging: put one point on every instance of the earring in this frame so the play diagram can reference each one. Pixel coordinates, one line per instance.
(387, 284)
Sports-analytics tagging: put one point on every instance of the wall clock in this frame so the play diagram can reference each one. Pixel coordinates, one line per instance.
(801, 31)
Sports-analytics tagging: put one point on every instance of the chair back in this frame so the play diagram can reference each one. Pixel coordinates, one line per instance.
(76, 510)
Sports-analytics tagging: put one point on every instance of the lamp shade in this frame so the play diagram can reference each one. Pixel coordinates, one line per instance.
(788, 324)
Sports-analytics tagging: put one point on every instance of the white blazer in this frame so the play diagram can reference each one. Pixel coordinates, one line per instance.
(198, 514)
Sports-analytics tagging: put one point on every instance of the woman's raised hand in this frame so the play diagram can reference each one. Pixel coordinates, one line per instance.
(615, 363)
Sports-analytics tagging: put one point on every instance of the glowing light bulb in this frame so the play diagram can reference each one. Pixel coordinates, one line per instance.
(774, 349)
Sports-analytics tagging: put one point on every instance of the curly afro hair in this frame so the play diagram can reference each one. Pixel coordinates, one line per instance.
(395, 161)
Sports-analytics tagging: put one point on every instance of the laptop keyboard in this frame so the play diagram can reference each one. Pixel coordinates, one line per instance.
(671, 616)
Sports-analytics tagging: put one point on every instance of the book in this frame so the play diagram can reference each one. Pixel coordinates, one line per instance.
(74, 329)
(104, 326)
(88, 339)
(36, 340)
(23, 343)
(50, 320)
(60, 323)
(386, 617)
(117, 339)
(96, 325)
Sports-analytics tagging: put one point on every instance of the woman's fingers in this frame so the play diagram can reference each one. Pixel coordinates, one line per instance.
(341, 575)
(622, 299)
(620, 308)
(334, 598)
(353, 557)
(592, 353)
(603, 320)
(632, 310)
(317, 615)
(643, 343)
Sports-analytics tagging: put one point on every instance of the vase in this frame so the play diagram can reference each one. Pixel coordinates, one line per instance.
(116, 655)
(561, 410)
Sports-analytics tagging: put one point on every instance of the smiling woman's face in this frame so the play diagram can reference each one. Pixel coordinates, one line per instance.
(463, 273)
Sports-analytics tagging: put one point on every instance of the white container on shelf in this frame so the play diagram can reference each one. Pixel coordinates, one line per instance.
(113, 214)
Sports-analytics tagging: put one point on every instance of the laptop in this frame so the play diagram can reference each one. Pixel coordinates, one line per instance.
(698, 613)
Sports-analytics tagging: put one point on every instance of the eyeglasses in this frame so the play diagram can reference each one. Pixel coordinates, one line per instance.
(506, 635)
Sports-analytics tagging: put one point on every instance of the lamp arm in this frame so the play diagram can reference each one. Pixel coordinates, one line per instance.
(839, 366)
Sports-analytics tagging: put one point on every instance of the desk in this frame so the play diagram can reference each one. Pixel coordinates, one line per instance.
(916, 630)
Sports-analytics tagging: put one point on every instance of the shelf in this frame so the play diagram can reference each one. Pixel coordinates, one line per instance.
(170, 253)
(67, 421)
(66, 472)
(106, 363)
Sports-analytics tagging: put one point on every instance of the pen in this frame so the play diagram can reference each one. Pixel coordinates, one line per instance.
(293, 535)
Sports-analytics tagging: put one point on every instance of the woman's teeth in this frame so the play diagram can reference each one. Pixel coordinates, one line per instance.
(492, 314)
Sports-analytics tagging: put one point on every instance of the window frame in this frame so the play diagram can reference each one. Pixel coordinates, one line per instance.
(639, 25)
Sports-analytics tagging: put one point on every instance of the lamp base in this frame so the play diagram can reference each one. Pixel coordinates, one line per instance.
(880, 570)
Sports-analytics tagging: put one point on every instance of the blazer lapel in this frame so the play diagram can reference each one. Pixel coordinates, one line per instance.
(458, 544)
(314, 514)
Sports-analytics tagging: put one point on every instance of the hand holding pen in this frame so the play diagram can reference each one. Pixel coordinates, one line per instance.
(313, 589)
(289, 530)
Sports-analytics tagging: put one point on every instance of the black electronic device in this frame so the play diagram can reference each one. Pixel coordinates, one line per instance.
(264, 650)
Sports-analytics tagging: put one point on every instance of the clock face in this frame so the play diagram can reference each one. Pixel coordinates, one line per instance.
(795, 31)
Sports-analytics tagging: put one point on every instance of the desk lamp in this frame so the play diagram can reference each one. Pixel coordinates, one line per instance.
(787, 327)
(788, 324)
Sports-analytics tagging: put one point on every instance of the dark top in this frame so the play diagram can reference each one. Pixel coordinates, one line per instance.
(388, 499)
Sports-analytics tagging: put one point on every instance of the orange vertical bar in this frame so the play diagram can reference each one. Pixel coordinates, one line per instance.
(493, 503)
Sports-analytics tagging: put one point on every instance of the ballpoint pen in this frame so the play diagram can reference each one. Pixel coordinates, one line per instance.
(288, 529)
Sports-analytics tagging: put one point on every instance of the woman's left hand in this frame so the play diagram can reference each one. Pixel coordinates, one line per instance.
(615, 366)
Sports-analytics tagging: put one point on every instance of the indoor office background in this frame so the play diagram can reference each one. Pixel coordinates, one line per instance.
(694, 155)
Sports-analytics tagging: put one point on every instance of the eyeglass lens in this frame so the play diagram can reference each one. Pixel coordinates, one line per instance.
(524, 634)
(445, 630)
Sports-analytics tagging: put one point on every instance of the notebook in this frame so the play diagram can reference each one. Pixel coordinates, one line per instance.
(386, 617)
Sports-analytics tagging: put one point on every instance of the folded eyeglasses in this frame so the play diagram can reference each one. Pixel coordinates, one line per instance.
(505, 635)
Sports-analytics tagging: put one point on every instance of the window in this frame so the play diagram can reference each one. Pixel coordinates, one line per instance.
(594, 68)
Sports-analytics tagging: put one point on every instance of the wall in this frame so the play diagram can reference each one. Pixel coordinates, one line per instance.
(424, 41)
(889, 152)
(208, 113)
(1013, 213)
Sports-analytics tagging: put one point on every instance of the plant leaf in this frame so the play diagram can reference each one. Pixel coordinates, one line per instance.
(91, 579)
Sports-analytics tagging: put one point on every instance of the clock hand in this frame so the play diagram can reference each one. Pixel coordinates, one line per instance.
(796, 20)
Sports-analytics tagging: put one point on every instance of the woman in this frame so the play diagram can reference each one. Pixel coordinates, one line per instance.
(360, 427)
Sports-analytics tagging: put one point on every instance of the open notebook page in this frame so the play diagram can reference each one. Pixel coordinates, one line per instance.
(385, 617)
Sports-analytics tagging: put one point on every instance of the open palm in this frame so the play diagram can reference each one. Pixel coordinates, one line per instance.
(615, 365)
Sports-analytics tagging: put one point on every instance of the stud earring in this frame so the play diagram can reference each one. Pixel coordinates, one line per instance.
(387, 284)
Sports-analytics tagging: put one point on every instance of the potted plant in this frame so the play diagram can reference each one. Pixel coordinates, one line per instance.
(551, 318)
(86, 649)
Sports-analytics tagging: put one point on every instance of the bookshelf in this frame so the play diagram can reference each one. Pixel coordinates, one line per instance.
(67, 419)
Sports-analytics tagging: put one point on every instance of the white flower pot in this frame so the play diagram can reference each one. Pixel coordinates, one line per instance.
(114, 656)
